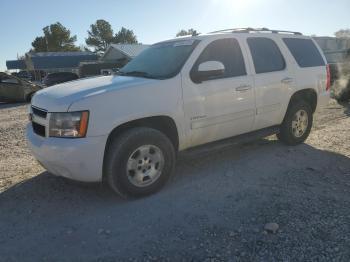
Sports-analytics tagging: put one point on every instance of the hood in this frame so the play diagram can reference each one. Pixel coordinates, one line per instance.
(58, 98)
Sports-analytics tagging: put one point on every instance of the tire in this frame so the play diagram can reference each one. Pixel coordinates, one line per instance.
(125, 173)
(290, 133)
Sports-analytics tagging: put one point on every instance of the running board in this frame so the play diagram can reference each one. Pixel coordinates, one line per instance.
(240, 139)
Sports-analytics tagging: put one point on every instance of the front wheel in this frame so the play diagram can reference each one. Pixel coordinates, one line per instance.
(139, 162)
(297, 124)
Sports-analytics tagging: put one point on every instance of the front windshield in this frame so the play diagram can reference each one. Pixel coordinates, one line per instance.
(160, 61)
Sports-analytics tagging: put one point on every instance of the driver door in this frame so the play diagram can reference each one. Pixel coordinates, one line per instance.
(220, 106)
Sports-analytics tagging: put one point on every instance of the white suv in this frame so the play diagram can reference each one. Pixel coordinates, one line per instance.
(178, 94)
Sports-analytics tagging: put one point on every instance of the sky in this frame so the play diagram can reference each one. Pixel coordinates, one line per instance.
(156, 20)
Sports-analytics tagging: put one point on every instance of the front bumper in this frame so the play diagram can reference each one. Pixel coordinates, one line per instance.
(79, 159)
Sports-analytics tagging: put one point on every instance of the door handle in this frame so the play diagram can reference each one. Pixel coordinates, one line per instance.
(287, 80)
(243, 88)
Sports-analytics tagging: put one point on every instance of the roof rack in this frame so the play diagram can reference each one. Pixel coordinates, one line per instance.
(250, 29)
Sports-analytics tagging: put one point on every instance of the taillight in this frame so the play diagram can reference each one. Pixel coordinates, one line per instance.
(328, 83)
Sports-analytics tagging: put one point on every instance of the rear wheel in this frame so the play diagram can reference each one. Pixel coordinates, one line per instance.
(139, 162)
(297, 124)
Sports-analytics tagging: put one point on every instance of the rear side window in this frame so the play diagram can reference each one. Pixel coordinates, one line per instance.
(304, 51)
(226, 51)
(266, 55)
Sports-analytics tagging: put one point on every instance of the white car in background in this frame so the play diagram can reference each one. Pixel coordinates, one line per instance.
(178, 94)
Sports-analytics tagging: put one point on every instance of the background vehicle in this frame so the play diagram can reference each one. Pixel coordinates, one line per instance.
(179, 94)
(14, 89)
(60, 77)
(340, 74)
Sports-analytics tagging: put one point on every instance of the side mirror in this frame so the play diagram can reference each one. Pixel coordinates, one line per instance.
(208, 70)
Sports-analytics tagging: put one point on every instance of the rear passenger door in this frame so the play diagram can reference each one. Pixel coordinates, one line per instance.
(223, 106)
(310, 67)
(274, 80)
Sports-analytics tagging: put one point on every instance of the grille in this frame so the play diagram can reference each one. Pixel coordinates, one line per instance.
(38, 129)
(39, 112)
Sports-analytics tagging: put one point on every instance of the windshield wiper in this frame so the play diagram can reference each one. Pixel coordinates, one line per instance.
(136, 73)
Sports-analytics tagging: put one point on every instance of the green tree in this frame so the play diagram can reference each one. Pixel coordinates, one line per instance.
(125, 36)
(56, 38)
(343, 33)
(100, 36)
(191, 32)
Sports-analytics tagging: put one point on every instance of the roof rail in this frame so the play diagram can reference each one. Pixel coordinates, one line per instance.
(250, 29)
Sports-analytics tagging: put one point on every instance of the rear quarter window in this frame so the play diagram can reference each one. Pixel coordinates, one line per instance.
(304, 52)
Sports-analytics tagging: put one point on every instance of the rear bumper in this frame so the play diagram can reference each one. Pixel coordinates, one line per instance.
(78, 159)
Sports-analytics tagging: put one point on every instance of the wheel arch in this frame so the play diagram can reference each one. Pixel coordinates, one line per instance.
(162, 123)
(308, 95)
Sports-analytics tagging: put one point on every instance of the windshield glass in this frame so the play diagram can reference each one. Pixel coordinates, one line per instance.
(160, 61)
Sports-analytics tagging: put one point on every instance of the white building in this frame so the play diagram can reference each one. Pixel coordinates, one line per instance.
(120, 52)
(335, 49)
(115, 57)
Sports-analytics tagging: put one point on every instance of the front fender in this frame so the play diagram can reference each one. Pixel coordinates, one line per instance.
(111, 109)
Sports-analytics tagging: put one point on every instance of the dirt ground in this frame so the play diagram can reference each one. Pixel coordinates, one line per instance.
(214, 208)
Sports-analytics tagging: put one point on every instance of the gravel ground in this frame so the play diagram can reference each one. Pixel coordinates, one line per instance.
(215, 207)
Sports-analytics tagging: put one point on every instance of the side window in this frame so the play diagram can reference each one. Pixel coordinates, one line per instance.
(9, 80)
(304, 51)
(226, 51)
(266, 55)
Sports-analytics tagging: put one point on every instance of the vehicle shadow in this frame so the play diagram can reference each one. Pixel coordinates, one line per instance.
(221, 188)
(5, 105)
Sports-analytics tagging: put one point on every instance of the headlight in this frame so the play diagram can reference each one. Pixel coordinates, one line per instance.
(71, 124)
